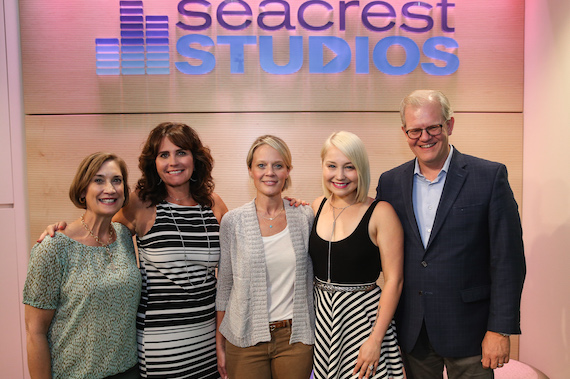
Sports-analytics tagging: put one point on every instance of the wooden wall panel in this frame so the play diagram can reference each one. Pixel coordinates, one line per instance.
(58, 49)
(56, 145)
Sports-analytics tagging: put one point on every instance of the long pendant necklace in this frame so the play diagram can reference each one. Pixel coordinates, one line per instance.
(105, 245)
(272, 218)
(332, 234)
(184, 245)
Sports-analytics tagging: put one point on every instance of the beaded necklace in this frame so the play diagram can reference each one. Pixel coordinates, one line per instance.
(96, 238)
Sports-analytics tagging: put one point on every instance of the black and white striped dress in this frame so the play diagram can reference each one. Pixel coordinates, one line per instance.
(176, 322)
(344, 317)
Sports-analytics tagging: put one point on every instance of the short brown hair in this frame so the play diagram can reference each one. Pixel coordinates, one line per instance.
(151, 188)
(88, 169)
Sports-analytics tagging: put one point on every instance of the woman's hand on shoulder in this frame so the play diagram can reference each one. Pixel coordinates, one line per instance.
(295, 202)
(51, 229)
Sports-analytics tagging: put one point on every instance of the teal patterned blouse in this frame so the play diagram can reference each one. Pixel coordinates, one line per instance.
(93, 331)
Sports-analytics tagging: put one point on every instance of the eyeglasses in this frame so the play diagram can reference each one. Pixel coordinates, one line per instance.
(433, 130)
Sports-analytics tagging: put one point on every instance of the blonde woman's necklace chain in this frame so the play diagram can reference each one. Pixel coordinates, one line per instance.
(335, 217)
(96, 238)
(272, 218)
(341, 209)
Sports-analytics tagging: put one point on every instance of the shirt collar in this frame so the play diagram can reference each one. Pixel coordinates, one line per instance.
(445, 167)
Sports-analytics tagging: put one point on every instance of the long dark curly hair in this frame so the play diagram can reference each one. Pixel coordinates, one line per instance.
(151, 188)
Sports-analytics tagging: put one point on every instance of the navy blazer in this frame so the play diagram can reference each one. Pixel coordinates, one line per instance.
(470, 276)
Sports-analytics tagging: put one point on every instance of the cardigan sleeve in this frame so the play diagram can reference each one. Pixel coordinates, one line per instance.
(225, 274)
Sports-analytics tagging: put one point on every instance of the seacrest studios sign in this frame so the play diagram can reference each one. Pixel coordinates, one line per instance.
(356, 35)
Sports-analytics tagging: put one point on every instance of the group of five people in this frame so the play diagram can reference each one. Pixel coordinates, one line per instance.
(296, 290)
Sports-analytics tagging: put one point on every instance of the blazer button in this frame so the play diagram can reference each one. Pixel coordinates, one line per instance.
(421, 293)
(424, 263)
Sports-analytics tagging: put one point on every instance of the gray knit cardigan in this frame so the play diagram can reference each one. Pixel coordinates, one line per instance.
(242, 278)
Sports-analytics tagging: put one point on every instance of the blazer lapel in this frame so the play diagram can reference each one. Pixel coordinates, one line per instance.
(454, 181)
(407, 184)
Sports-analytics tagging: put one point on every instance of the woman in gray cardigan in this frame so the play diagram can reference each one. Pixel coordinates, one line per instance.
(264, 296)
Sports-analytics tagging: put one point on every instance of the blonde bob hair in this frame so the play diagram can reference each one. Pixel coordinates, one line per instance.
(353, 148)
(87, 170)
(279, 145)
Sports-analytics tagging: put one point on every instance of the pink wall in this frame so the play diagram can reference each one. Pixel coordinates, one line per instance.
(546, 188)
(13, 208)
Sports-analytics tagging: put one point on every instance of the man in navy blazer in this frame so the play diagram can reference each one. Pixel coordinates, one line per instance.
(464, 264)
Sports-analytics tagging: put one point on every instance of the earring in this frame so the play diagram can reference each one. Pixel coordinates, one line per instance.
(82, 200)
(192, 179)
(159, 181)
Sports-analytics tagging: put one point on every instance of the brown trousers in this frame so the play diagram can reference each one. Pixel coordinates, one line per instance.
(276, 359)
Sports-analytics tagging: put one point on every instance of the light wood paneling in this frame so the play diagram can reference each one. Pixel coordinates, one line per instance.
(56, 145)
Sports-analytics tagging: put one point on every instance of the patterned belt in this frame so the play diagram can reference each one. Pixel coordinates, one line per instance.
(279, 324)
(342, 287)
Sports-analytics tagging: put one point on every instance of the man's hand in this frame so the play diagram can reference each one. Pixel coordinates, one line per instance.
(496, 349)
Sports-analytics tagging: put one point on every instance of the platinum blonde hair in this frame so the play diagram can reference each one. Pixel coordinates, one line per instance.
(353, 148)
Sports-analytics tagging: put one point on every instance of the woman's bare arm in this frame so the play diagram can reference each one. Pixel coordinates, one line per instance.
(37, 326)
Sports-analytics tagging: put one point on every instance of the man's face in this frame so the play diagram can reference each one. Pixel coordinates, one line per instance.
(431, 151)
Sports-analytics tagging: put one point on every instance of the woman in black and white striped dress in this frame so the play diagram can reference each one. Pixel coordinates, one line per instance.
(176, 216)
(176, 330)
(353, 239)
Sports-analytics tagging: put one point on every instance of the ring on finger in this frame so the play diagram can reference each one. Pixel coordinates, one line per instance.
(371, 367)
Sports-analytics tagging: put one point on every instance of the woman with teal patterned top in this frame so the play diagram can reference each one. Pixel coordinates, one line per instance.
(83, 285)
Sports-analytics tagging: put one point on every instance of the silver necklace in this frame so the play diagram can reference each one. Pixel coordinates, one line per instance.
(175, 199)
(332, 234)
(184, 245)
(272, 218)
(96, 238)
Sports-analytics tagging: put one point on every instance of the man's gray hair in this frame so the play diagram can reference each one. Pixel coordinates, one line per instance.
(422, 97)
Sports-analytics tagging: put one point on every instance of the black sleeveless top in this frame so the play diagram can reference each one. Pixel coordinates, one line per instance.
(354, 260)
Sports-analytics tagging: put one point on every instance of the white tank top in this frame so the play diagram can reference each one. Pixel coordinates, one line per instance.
(280, 262)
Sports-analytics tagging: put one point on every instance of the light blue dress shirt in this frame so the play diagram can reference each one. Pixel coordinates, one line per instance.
(425, 197)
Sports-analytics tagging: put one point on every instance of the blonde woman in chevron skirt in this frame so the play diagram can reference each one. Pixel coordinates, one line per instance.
(354, 239)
